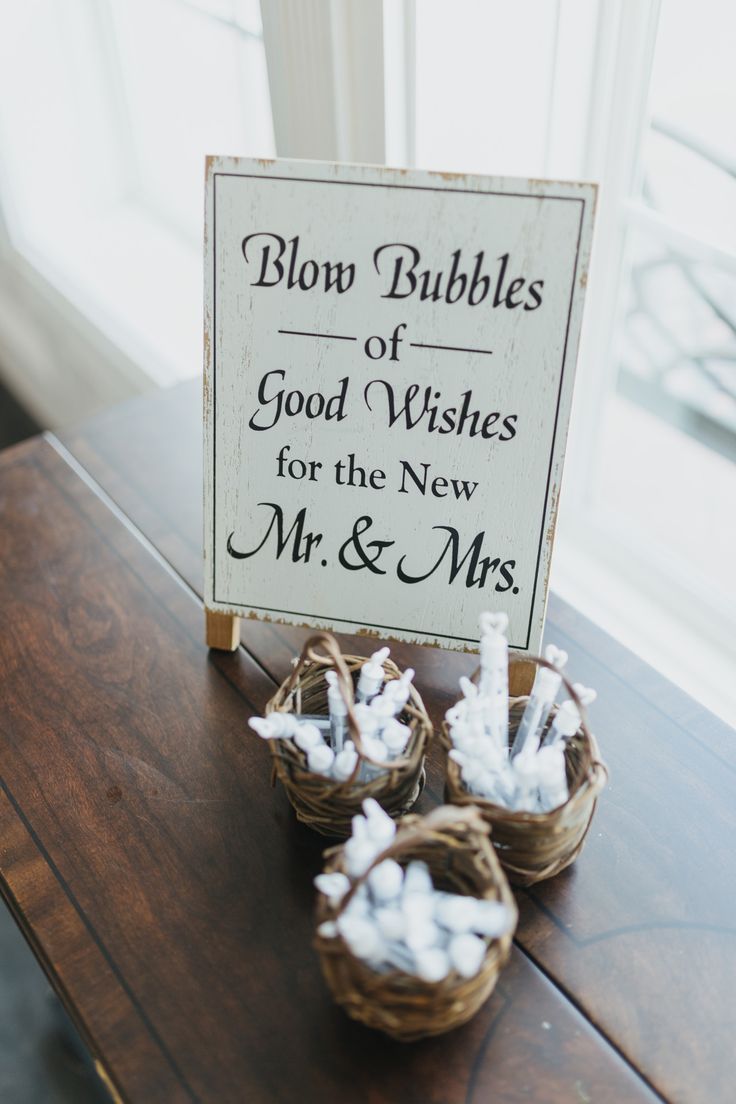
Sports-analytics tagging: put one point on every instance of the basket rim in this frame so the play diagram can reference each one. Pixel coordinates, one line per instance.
(497, 947)
(284, 700)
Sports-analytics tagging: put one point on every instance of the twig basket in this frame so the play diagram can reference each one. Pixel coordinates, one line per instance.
(324, 804)
(455, 845)
(535, 846)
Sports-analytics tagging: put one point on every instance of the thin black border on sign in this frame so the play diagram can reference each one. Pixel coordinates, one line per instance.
(407, 187)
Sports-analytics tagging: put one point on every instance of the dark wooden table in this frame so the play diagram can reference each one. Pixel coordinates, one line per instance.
(166, 888)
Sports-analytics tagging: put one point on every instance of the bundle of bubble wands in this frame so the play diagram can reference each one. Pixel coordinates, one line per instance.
(397, 919)
(529, 774)
(325, 739)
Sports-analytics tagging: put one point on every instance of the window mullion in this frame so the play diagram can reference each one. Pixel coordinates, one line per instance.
(325, 71)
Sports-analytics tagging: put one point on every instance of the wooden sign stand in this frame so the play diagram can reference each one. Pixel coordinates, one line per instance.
(222, 631)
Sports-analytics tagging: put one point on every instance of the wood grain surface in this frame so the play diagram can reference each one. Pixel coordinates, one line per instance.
(640, 933)
(163, 884)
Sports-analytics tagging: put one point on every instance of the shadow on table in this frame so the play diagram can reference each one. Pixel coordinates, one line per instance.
(42, 1060)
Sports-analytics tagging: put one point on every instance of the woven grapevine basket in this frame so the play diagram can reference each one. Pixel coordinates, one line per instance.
(324, 804)
(454, 843)
(535, 846)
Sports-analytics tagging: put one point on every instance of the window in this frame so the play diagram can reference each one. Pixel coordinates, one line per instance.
(108, 107)
(107, 110)
(640, 98)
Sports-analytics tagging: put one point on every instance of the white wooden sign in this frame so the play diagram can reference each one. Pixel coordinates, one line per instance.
(389, 362)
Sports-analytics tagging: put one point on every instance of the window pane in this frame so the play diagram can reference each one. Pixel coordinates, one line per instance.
(107, 110)
(662, 487)
(687, 181)
(193, 85)
(693, 79)
(669, 436)
(677, 352)
(58, 128)
(484, 71)
(678, 341)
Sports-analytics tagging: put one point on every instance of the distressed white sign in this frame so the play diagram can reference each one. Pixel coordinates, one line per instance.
(388, 375)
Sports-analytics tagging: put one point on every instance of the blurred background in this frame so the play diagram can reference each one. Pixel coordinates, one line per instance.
(108, 107)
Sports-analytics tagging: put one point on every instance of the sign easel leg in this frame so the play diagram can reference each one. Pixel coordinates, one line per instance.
(222, 631)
